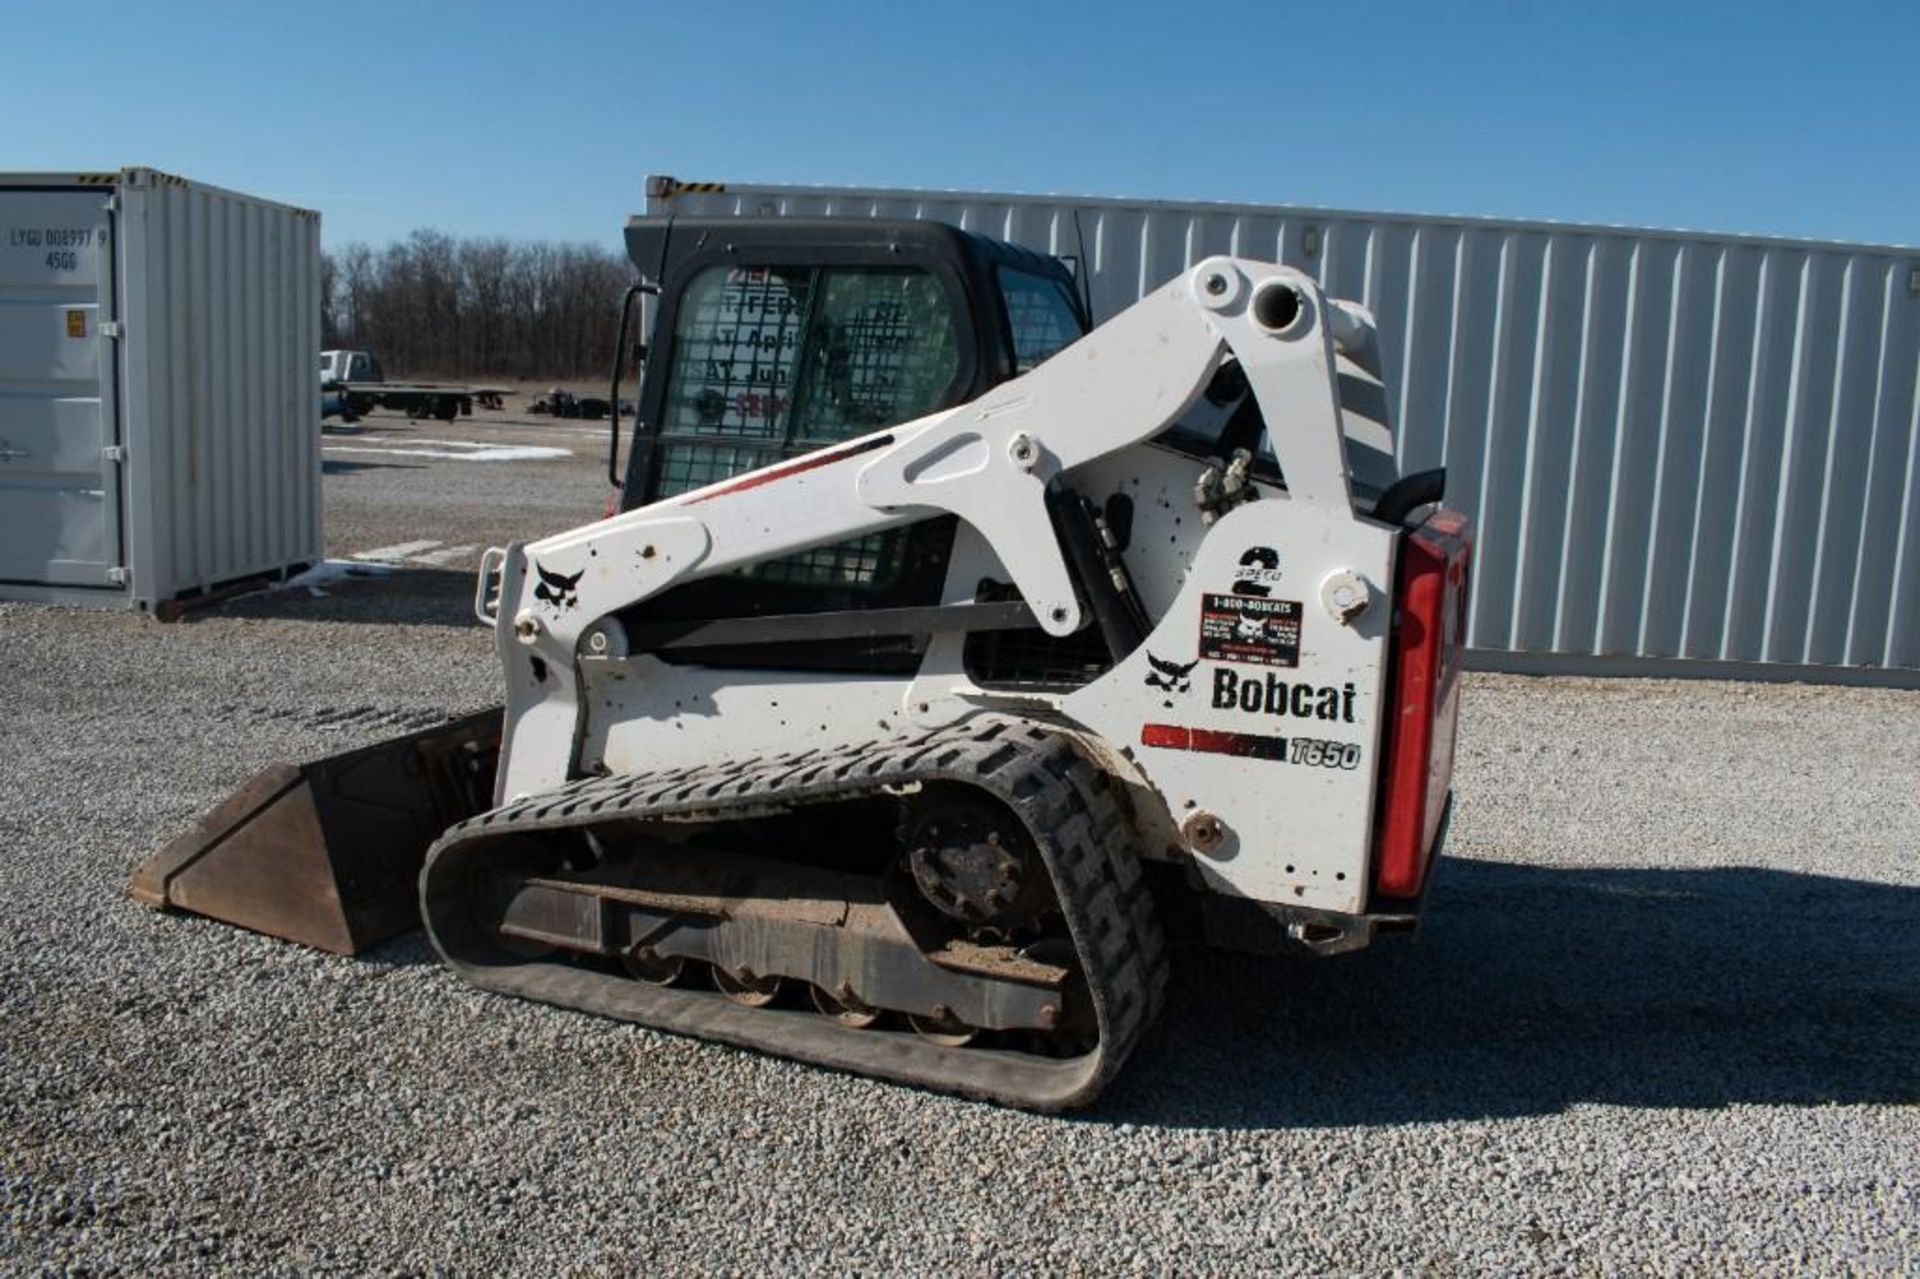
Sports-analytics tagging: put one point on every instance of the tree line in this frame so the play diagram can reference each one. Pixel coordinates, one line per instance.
(435, 306)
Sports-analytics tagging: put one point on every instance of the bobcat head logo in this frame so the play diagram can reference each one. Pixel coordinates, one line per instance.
(1170, 677)
(557, 591)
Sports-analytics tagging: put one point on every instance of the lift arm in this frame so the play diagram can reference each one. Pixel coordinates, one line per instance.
(989, 462)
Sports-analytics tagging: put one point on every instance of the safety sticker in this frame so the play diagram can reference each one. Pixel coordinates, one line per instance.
(1250, 629)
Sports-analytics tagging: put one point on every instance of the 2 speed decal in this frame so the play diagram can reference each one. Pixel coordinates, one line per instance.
(1258, 572)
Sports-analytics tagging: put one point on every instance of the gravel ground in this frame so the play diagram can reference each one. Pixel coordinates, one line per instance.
(1664, 1016)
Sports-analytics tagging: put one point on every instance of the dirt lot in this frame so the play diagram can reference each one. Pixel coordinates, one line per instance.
(1665, 1015)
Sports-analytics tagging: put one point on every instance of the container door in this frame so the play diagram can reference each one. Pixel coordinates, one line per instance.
(59, 492)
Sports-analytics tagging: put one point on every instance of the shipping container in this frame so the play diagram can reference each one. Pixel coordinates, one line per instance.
(159, 388)
(1684, 453)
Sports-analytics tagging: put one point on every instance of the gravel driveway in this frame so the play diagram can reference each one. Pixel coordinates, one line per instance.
(1665, 1015)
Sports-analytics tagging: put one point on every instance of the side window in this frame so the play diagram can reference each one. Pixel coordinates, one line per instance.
(736, 345)
(881, 350)
(769, 362)
(1041, 315)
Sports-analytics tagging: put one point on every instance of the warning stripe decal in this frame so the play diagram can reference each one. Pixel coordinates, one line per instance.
(754, 479)
(1213, 741)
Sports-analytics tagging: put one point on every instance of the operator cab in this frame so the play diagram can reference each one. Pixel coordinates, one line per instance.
(774, 338)
(781, 336)
(777, 337)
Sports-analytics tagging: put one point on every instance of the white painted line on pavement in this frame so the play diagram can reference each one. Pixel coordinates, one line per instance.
(447, 556)
(397, 552)
(479, 453)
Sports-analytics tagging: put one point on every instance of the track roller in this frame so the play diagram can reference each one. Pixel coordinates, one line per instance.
(650, 966)
(943, 1028)
(844, 1008)
(746, 987)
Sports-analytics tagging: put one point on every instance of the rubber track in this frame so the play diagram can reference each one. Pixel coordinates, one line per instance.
(1064, 800)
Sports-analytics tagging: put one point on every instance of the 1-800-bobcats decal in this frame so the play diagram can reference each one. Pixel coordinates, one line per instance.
(1250, 629)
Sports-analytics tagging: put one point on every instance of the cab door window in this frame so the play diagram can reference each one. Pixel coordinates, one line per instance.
(881, 350)
(736, 348)
(769, 362)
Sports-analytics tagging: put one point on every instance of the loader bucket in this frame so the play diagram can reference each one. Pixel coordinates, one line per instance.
(328, 853)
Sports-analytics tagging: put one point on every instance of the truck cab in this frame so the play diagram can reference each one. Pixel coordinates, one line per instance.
(349, 366)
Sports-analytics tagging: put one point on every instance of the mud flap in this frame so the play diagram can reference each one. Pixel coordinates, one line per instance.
(328, 853)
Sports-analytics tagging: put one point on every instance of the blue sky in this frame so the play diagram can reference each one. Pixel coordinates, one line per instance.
(542, 120)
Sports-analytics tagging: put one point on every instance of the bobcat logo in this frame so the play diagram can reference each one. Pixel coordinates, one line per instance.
(1170, 677)
(556, 590)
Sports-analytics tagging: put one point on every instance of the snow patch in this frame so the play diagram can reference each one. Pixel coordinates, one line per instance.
(329, 572)
(463, 451)
(449, 555)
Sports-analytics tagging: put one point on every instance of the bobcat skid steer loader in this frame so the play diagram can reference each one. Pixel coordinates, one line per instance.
(943, 663)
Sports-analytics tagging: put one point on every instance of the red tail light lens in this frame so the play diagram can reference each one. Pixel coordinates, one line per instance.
(1425, 686)
(612, 508)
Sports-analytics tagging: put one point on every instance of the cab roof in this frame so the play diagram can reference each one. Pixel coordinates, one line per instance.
(654, 243)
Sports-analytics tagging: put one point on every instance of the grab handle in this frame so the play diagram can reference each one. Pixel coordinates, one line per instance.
(486, 590)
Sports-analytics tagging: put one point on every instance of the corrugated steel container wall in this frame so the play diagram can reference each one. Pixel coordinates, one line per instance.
(214, 396)
(1674, 446)
(221, 296)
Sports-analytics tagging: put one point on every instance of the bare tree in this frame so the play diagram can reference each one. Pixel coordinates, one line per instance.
(431, 305)
(329, 301)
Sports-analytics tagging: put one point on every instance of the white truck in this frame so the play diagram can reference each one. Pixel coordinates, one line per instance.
(351, 384)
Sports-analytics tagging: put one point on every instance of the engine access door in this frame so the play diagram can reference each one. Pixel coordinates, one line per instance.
(59, 499)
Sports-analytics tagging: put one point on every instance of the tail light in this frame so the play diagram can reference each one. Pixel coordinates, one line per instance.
(1424, 684)
(612, 508)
